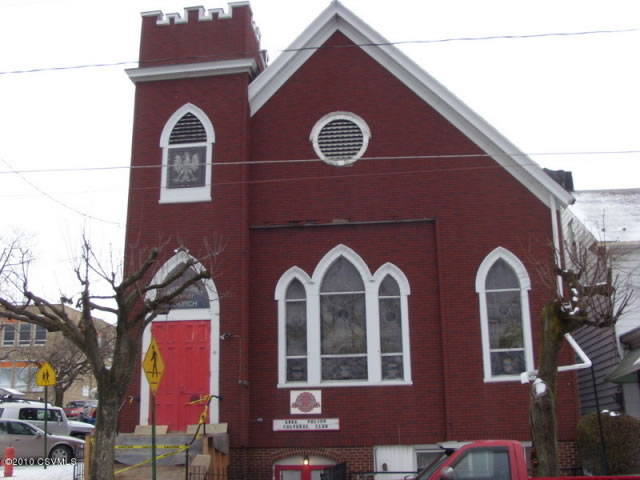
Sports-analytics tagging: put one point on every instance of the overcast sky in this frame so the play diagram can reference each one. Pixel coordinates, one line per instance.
(570, 101)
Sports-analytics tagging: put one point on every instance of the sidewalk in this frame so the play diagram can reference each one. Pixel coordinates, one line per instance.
(54, 472)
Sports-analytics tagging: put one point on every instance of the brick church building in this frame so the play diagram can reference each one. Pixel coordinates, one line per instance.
(377, 290)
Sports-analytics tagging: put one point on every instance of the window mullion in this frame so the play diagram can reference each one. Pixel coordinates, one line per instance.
(406, 354)
(313, 339)
(282, 341)
(372, 305)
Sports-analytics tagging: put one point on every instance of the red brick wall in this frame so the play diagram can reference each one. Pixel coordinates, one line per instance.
(199, 41)
(257, 463)
(475, 205)
(568, 459)
(199, 225)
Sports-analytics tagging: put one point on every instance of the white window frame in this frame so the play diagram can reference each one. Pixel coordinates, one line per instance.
(312, 286)
(5, 341)
(518, 267)
(25, 342)
(39, 342)
(193, 194)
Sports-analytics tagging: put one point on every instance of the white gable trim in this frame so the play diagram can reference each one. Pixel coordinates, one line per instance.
(337, 17)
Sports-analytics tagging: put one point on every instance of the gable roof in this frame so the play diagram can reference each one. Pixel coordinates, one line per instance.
(336, 17)
(612, 215)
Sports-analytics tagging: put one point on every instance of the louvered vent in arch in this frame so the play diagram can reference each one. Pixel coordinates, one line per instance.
(188, 130)
(340, 138)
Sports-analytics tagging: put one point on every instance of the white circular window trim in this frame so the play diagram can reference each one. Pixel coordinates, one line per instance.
(330, 117)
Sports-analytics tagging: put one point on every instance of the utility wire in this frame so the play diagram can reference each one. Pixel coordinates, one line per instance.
(471, 39)
(55, 200)
(318, 160)
(289, 50)
(332, 177)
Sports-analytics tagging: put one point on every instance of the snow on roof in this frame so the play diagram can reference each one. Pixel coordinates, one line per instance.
(611, 215)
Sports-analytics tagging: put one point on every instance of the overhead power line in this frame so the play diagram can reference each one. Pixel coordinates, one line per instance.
(457, 156)
(383, 44)
(55, 200)
(413, 171)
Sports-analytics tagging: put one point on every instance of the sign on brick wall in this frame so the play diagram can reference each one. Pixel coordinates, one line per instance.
(306, 424)
(305, 402)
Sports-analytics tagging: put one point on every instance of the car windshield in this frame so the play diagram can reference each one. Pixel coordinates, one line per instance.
(427, 471)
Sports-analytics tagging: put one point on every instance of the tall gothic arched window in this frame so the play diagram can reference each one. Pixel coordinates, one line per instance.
(503, 288)
(187, 152)
(343, 325)
(296, 332)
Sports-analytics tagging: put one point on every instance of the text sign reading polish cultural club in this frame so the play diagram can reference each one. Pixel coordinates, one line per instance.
(306, 424)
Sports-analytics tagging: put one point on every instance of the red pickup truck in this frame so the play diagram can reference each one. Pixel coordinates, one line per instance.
(486, 460)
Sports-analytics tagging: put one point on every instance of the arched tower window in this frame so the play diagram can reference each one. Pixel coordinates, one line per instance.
(187, 152)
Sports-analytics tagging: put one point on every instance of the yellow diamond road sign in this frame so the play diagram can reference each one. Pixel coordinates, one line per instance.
(153, 366)
(46, 376)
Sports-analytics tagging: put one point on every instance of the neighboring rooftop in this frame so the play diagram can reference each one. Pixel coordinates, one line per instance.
(611, 215)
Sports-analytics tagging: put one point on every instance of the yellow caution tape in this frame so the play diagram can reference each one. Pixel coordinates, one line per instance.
(149, 460)
(206, 398)
(180, 448)
(147, 446)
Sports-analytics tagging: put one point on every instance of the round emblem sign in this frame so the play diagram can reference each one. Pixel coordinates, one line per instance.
(305, 402)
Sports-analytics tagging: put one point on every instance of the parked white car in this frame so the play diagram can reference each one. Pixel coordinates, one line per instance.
(28, 442)
(34, 413)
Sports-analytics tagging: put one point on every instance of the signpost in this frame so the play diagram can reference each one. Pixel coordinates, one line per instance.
(153, 366)
(46, 377)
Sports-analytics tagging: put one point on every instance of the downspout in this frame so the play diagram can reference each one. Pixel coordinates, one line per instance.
(556, 240)
(443, 331)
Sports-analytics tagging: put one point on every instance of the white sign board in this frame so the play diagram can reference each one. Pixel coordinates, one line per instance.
(306, 424)
(305, 402)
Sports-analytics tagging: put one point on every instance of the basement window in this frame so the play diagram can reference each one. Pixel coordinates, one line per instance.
(340, 138)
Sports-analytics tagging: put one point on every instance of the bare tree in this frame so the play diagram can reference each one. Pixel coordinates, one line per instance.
(134, 299)
(69, 362)
(593, 296)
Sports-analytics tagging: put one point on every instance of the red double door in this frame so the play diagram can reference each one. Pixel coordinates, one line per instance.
(185, 349)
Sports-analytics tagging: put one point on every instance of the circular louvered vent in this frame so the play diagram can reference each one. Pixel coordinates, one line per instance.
(340, 138)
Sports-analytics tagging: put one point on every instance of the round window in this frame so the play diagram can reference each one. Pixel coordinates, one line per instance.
(340, 138)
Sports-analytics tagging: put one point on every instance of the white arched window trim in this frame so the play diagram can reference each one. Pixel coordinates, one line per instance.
(525, 285)
(194, 194)
(212, 314)
(312, 288)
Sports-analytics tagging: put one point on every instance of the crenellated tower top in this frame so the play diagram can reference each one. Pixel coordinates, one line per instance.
(199, 35)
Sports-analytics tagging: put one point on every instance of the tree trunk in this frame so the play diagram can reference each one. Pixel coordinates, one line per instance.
(542, 410)
(59, 396)
(102, 454)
